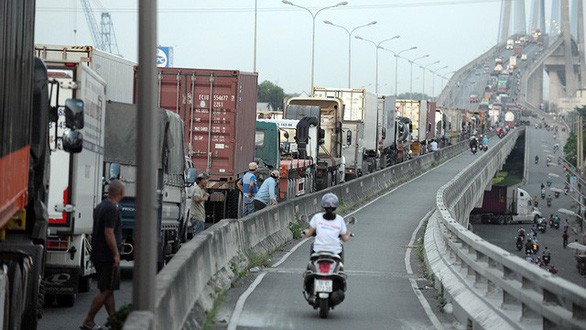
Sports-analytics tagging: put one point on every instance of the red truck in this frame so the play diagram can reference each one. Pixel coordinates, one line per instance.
(218, 108)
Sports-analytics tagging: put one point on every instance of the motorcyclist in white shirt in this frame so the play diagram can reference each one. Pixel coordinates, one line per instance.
(329, 228)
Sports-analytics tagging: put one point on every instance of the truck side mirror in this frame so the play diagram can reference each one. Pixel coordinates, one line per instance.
(410, 128)
(349, 137)
(191, 175)
(74, 113)
(338, 127)
(286, 135)
(321, 135)
(114, 171)
(72, 141)
(383, 133)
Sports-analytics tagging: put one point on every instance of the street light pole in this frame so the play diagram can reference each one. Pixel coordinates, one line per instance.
(411, 75)
(255, 19)
(313, 16)
(433, 80)
(397, 64)
(350, 44)
(377, 47)
(423, 72)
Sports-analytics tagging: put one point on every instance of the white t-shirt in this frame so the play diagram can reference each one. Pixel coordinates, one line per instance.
(327, 233)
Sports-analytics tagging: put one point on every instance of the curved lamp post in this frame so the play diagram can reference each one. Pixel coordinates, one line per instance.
(350, 44)
(377, 47)
(313, 16)
(411, 74)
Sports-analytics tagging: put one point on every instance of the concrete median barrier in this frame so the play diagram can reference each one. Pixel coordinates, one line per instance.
(206, 265)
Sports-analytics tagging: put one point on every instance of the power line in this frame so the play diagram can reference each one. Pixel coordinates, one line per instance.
(277, 9)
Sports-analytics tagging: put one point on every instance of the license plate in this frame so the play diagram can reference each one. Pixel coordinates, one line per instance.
(322, 286)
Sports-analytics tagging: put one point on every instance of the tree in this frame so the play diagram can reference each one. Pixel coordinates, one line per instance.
(271, 94)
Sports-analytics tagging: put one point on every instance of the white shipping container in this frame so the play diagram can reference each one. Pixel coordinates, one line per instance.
(116, 71)
(386, 120)
(415, 110)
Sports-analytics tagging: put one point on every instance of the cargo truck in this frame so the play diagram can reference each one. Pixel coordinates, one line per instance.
(361, 152)
(77, 187)
(512, 63)
(25, 166)
(387, 131)
(505, 205)
(330, 161)
(416, 111)
(120, 164)
(218, 108)
(289, 146)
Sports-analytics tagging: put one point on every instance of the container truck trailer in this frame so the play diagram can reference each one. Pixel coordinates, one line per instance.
(386, 130)
(504, 205)
(416, 111)
(77, 187)
(359, 124)
(328, 111)
(218, 108)
(120, 164)
(25, 165)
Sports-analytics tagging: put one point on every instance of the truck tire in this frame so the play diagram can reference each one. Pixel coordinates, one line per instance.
(233, 204)
(16, 300)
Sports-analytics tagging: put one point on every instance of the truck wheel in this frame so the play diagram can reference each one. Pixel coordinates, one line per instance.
(66, 300)
(233, 204)
(14, 293)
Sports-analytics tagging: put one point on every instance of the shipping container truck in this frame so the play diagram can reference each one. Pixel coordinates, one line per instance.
(25, 165)
(120, 163)
(510, 44)
(430, 118)
(416, 111)
(330, 161)
(403, 138)
(359, 124)
(387, 126)
(289, 146)
(77, 187)
(512, 63)
(504, 205)
(517, 50)
(218, 108)
(116, 71)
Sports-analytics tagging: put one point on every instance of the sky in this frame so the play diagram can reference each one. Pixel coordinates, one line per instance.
(219, 34)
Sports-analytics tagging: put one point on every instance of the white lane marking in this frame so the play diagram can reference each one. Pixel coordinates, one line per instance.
(412, 241)
(278, 263)
(434, 320)
(430, 314)
(241, 301)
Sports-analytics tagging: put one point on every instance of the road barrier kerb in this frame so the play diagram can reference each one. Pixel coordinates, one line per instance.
(140, 320)
(461, 261)
(188, 284)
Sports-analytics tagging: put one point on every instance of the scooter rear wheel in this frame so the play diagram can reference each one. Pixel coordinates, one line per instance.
(324, 307)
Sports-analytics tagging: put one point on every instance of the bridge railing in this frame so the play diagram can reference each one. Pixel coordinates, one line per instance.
(487, 286)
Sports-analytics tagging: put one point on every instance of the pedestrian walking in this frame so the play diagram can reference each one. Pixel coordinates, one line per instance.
(566, 224)
(197, 212)
(248, 187)
(105, 255)
(266, 193)
(565, 237)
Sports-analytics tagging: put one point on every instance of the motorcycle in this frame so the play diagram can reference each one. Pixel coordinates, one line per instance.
(546, 260)
(556, 194)
(519, 243)
(324, 280)
(536, 160)
(542, 195)
(548, 200)
(473, 149)
(541, 226)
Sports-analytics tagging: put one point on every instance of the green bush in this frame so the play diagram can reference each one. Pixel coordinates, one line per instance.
(116, 320)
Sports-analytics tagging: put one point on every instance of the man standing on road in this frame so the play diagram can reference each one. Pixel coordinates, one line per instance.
(197, 212)
(433, 145)
(248, 187)
(266, 194)
(106, 238)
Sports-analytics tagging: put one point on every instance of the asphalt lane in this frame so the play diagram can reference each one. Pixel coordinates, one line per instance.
(540, 142)
(379, 296)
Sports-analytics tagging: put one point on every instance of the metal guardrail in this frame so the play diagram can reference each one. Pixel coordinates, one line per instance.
(488, 286)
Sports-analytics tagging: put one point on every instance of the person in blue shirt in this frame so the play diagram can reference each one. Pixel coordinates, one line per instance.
(266, 193)
(485, 140)
(247, 185)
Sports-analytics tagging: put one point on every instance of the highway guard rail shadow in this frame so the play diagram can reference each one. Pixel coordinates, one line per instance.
(209, 263)
(488, 287)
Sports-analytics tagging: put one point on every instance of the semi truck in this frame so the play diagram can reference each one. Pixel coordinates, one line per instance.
(505, 205)
(120, 164)
(289, 146)
(77, 187)
(387, 131)
(218, 108)
(416, 111)
(359, 124)
(328, 111)
(25, 165)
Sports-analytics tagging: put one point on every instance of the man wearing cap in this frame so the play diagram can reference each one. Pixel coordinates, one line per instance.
(248, 187)
(266, 194)
(197, 212)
